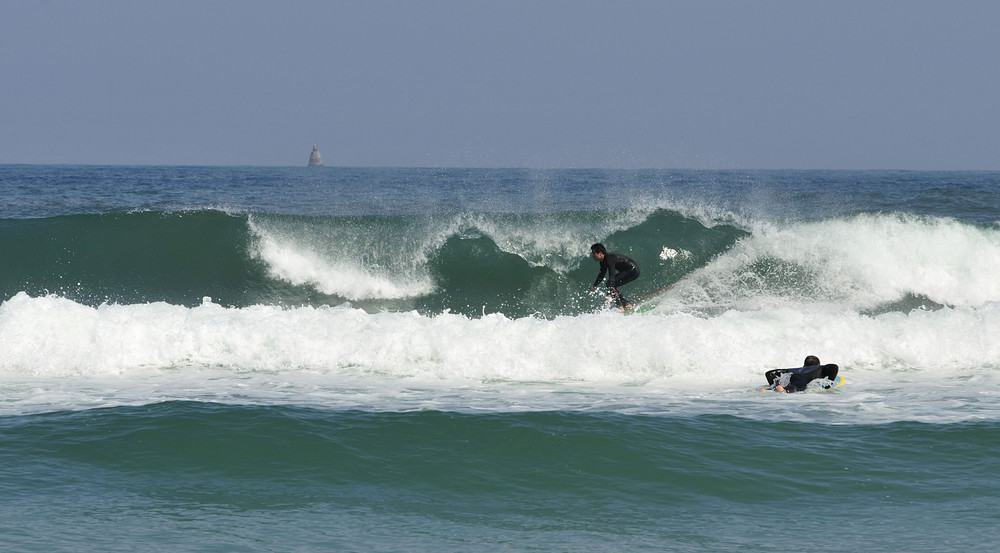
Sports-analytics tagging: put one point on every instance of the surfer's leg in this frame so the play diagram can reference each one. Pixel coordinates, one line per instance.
(618, 280)
(617, 296)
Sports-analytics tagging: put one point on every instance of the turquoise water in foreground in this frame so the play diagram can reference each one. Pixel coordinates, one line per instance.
(205, 477)
(335, 359)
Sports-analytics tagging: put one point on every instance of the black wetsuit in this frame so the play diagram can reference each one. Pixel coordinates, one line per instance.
(621, 270)
(800, 377)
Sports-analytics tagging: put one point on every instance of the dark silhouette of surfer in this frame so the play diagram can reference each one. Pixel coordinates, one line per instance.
(796, 379)
(620, 269)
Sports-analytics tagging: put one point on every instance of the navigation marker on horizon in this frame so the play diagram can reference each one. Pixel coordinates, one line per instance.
(315, 160)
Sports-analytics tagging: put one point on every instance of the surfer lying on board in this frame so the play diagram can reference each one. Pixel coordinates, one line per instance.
(796, 380)
(620, 269)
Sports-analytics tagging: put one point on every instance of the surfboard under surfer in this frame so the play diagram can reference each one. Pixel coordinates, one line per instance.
(620, 269)
(796, 379)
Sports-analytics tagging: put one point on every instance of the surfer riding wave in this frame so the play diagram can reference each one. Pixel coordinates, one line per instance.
(620, 269)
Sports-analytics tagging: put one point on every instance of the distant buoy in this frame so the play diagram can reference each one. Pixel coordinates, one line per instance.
(315, 160)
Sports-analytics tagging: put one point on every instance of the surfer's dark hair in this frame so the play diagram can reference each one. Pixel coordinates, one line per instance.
(811, 361)
(598, 248)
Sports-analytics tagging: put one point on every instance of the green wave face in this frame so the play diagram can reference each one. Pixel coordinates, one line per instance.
(518, 265)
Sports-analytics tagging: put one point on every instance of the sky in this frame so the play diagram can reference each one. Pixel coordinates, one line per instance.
(700, 84)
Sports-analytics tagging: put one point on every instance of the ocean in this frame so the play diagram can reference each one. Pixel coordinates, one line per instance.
(409, 360)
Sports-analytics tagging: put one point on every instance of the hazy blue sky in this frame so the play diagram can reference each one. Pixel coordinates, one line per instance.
(840, 84)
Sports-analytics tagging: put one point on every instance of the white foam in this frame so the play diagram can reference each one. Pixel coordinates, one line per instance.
(925, 365)
(856, 263)
(335, 265)
(668, 253)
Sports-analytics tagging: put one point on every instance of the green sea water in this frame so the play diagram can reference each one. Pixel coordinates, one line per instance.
(209, 477)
